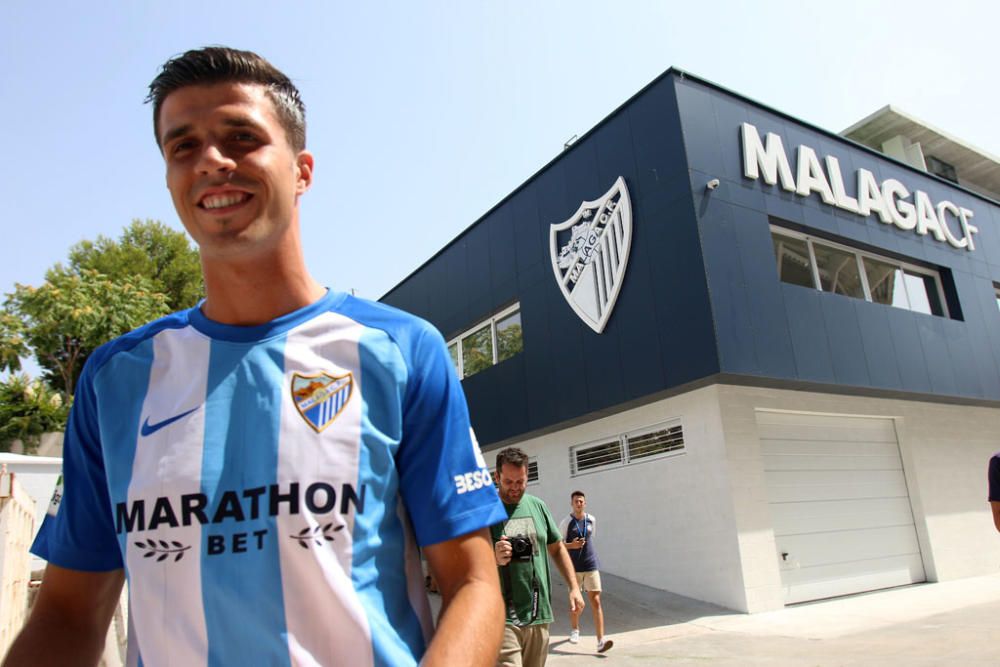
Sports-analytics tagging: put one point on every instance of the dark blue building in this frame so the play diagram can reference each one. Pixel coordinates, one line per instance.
(768, 353)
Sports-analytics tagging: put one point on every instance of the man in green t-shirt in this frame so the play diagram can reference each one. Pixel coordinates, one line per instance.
(523, 566)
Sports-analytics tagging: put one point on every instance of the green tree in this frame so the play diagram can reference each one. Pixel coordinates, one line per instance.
(71, 314)
(12, 343)
(29, 408)
(148, 249)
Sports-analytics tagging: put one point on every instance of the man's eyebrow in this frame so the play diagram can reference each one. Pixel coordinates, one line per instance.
(242, 121)
(174, 133)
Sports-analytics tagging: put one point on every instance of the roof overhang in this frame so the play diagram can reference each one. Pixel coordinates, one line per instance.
(977, 169)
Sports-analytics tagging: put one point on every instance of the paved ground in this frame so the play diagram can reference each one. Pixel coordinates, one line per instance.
(953, 623)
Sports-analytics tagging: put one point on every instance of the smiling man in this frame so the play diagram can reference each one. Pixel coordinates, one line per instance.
(264, 465)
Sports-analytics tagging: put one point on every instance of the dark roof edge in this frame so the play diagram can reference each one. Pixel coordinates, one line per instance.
(525, 182)
(683, 75)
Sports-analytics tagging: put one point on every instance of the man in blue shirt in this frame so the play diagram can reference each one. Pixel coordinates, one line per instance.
(264, 466)
(578, 530)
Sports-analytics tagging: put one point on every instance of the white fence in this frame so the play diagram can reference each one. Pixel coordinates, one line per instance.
(17, 518)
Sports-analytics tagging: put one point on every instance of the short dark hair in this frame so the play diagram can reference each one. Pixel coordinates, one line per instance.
(577, 493)
(220, 64)
(512, 456)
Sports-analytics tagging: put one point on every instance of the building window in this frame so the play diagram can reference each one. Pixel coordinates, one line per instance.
(509, 339)
(488, 342)
(601, 455)
(832, 267)
(794, 264)
(669, 438)
(838, 271)
(645, 444)
(477, 350)
(532, 470)
(941, 168)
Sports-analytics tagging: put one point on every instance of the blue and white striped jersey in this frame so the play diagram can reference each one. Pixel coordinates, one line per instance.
(266, 487)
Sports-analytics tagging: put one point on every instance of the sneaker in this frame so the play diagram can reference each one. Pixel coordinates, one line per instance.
(604, 645)
(574, 637)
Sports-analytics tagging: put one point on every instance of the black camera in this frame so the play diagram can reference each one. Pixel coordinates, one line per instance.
(520, 548)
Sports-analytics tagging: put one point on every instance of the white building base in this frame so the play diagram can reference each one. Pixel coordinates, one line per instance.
(701, 523)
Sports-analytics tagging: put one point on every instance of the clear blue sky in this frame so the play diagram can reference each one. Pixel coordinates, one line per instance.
(422, 115)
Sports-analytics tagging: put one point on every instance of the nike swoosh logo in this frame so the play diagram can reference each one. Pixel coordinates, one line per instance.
(150, 429)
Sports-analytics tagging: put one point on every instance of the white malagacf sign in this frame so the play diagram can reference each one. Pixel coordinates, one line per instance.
(890, 199)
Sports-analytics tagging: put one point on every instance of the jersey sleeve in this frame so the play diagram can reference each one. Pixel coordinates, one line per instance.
(445, 483)
(551, 529)
(78, 532)
(564, 529)
(994, 478)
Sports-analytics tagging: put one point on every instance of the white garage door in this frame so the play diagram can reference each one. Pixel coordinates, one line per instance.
(839, 504)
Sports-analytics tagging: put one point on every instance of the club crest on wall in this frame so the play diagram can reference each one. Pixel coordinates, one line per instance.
(589, 254)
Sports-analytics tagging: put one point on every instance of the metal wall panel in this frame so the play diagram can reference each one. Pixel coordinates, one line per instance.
(869, 345)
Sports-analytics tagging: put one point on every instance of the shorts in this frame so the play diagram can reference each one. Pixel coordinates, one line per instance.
(589, 581)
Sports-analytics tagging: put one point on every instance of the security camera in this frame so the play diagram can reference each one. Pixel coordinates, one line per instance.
(712, 184)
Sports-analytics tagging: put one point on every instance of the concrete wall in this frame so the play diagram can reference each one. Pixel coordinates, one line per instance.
(51, 445)
(748, 495)
(666, 523)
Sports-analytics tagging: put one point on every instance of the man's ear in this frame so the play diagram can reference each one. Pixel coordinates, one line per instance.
(304, 171)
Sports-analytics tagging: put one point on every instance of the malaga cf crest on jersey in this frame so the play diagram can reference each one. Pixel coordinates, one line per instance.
(590, 252)
(320, 398)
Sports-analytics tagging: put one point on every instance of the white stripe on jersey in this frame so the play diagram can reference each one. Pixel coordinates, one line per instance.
(165, 615)
(321, 606)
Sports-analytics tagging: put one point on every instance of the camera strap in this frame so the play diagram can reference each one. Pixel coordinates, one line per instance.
(508, 594)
